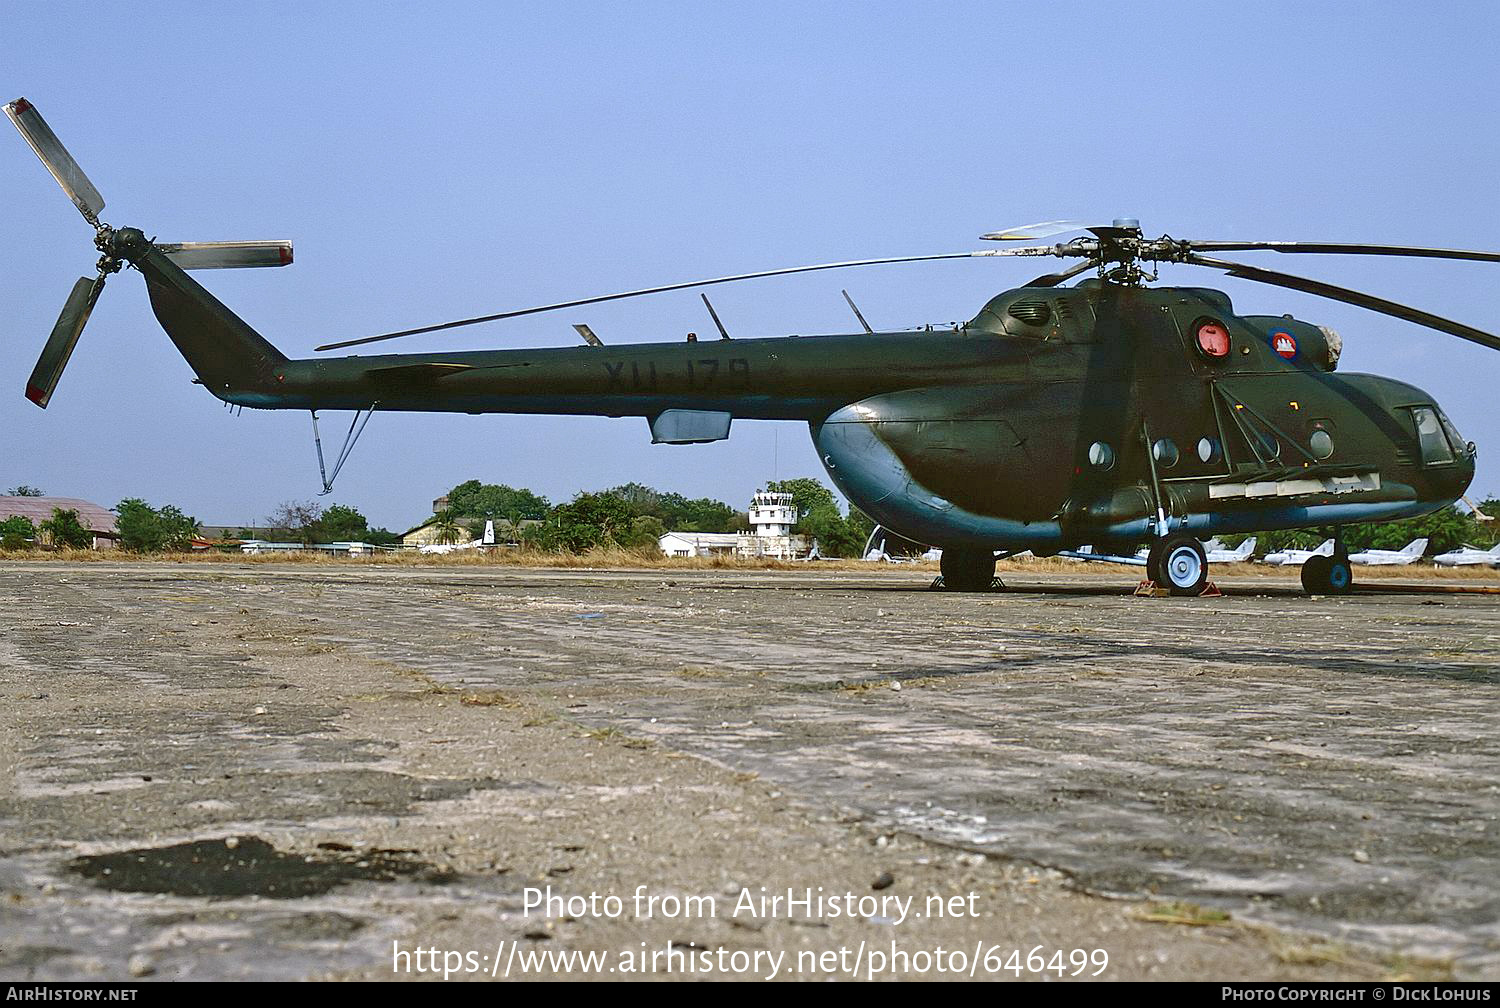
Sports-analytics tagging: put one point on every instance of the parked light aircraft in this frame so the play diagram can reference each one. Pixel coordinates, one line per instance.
(1469, 556)
(1296, 557)
(1408, 554)
(1240, 554)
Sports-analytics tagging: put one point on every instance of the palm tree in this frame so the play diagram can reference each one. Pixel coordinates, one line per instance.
(445, 524)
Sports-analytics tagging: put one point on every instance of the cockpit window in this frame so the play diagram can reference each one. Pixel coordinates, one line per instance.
(1434, 446)
(1454, 437)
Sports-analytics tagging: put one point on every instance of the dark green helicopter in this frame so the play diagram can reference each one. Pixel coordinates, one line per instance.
(1108, 413)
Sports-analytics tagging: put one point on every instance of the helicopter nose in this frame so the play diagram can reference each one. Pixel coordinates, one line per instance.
(1453, 481)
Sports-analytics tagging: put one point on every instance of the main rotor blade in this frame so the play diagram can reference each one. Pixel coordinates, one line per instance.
(1335, 248)
(75, 315)
(1053, 279)
(1026, 232)
(1027, 251)
(1353, 297)
(57, 159)
(227, 255)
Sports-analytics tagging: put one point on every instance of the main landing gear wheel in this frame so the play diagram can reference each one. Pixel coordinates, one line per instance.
(1180, 565)
(1153, 562)
(968, 570)
(1327, 575)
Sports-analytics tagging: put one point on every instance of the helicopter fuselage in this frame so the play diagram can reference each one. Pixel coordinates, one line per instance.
(1056, 417)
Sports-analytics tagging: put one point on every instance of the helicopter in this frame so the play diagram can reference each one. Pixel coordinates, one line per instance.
(1109, 412)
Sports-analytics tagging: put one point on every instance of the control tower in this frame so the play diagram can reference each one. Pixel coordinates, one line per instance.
(772, 516)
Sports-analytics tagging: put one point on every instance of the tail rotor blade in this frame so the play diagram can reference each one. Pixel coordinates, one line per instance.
(57, 159)
(227, 255)
(75, 315)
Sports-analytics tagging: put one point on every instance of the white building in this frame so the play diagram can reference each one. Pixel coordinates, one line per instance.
(772, 516)
(259, 547)
(694, 544)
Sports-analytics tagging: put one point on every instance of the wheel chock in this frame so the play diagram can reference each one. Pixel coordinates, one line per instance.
(1150, 589)
(938, 584)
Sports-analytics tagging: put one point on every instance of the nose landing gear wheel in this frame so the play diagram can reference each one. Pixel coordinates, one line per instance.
(1180, 565)
(967, 570)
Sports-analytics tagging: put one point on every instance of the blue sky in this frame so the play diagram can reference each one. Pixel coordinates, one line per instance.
(458, 159)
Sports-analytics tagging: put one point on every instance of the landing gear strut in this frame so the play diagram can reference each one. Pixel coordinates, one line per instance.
(967, 570)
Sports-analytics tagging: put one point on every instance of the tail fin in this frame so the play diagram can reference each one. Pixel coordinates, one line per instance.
(1415, 548)
(227, 355)
(1245, 549)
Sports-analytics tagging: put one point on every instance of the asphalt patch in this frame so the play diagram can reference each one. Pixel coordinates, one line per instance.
(247, 866)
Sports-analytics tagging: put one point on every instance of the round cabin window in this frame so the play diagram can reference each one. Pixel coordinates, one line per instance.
(1212, 338)
(1321, 443)
(1165, 452)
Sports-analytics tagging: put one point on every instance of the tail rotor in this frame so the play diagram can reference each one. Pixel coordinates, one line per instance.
(85, 294)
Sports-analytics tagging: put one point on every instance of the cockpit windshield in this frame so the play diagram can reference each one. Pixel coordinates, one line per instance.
(1434, 444)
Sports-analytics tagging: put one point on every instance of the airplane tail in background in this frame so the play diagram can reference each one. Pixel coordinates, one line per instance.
(1415, 548)
(1245, 549)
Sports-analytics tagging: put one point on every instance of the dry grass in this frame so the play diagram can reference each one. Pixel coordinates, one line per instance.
(1189, 914)
(597, 558)
(617, 559)
(1300, 950)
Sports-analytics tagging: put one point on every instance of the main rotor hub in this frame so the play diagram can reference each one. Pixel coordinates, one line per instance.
(1119, 250)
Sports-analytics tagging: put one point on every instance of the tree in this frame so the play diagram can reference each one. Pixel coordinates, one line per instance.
(643, 536)
(295, 521)
(445, 524)
(700, 515)
(643, 500)
(138, 525)
(542, 538)
(807, 494)
(339, 523)
(144, 529)
(475, 500)
(590, 520)
(818, 517)
(66, 530)
(17, 532)
(25, 491)
(381, 537)
(677, 512)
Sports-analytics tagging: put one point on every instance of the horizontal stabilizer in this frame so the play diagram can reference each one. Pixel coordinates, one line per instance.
(227, 255)
(417, 373)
